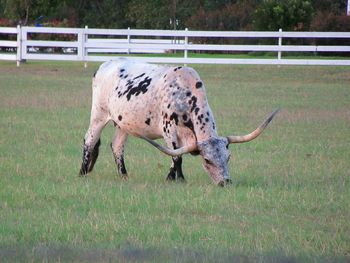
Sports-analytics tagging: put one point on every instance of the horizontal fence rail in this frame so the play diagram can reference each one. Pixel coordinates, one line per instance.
(12, 45)
(89, 44)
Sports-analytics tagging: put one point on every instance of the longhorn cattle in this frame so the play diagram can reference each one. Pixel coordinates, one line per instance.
(156, 101)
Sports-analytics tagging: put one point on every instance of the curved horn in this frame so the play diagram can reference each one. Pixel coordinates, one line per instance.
(254, 134)
(171, 152)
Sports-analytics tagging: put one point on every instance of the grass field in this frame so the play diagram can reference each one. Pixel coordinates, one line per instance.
(290, 201)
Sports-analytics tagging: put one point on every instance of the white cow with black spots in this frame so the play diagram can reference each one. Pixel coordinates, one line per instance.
(157, 101)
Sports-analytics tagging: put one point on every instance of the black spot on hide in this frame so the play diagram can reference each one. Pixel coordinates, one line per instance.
(120, 117)
(189, 124)
(193, 102)
(148, 121)
(174, 117)
(199, 84)
(177, 68)
(196, 110)
(166, 124)
(136, 90)
(139, 76)
(174, 145)
(200, 117)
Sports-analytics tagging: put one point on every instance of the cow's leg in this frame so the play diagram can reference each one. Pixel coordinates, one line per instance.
(175, 172)
(94, 155)
(91, 145)
(118, 151)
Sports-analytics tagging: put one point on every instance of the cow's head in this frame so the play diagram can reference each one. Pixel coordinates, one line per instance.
(215, 155)
(214, 151)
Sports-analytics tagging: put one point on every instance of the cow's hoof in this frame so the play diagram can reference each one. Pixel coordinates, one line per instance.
(82, 173)
(124, 177)
(171, 177)
(180, 180)
(225, 182)
(175, 179)
(228, 181)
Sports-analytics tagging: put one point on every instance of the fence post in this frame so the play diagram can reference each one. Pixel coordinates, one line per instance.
(279, 56)
(80, 44)
(85, 51)
(129, 41)
(23, 48)
(19, 45)
(186, 43)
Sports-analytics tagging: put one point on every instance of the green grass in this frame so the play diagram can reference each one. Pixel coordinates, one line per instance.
(290, 200)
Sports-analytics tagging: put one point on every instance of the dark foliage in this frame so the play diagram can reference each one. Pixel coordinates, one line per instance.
(178, 14)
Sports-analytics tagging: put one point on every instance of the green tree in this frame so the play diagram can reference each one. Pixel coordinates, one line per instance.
(157, 14)
(211, 5)
(101, 13)
(95, 13)
(26, 11)
(337, 7)
(17, 10)
(232, 16)
(286, 14)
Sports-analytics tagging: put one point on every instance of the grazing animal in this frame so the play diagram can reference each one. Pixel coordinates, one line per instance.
(157, 101)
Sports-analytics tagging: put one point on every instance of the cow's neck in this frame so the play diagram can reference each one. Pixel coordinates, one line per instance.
(204, 124)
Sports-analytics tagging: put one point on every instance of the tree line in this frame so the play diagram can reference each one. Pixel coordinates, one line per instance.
(299, 15)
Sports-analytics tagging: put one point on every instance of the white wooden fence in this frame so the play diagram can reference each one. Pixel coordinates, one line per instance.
(85, 44)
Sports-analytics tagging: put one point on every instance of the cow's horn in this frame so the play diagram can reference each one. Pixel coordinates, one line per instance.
(171, 152)
(254, 134)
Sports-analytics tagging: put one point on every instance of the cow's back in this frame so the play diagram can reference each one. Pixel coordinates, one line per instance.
(141, 97)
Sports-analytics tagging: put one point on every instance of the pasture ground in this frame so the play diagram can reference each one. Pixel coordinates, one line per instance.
(290, 201)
